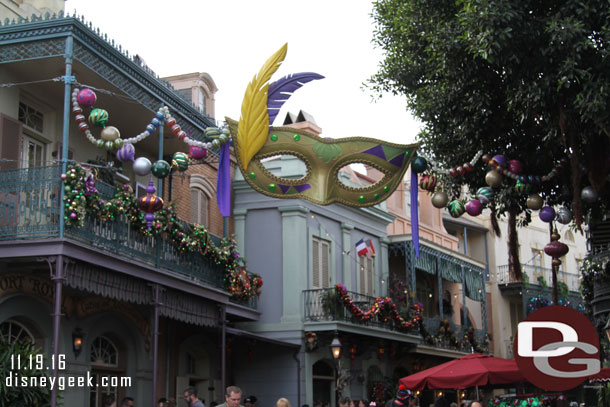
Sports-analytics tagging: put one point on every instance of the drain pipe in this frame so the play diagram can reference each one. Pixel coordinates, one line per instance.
(57, 277)
(296, 357)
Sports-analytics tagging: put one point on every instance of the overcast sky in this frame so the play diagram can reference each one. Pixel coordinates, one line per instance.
(231, 39)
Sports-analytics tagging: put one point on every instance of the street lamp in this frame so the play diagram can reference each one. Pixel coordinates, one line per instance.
(335, 347)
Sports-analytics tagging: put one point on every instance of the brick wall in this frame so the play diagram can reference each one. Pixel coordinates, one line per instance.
(181, 194)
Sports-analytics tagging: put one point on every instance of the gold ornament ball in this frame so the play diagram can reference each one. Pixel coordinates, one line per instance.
(440, 199)
(110, 133)
(555, 236)
(534, 202)
(493, 179)
(556, 262)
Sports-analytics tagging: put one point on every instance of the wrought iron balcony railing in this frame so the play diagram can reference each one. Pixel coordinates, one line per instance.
(538, 276)
(325, 305)
(29, 209)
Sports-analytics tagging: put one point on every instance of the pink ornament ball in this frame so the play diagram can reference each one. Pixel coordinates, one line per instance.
(73, 216)
(63, 176)
(198, 153)
(86, 97)
(474, 207)
(515, 166)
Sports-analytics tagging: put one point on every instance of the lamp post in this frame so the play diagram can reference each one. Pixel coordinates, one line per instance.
(335, 348)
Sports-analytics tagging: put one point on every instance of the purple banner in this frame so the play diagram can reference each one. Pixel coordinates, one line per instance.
(414, 213)
(223, 182)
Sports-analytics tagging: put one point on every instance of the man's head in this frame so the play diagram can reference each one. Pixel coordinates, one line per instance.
(233, 396)
(476, 404)
(190, 395)
(250, 401)
(127, 402)
(162, 402)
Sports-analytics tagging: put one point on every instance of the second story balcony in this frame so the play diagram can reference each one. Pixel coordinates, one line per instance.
(326, 305)
(537, 276)
(30, 215)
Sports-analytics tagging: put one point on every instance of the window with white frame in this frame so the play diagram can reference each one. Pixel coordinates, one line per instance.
(202, 192)
(199, 207)
(320, 263)
(13, 331)
(367, 275)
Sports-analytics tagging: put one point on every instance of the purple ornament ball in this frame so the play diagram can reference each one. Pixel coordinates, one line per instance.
(474, 207)
(547, 214)
(515, 166)
(126, 153)
(500, 160)
(73, 216)
(86, 97)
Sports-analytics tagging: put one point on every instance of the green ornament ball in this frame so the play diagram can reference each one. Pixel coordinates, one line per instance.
(98, 117)
(456, 208)
(419, 165)
(181, 160)
(118, 143)
(109, 145)
(100, 143)
(161, 169)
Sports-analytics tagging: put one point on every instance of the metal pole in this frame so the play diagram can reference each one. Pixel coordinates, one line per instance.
(68, 79)
(223, 347)
(225, 226)
(57, 277)
(160, 180)
(155, 343)
(440, 289)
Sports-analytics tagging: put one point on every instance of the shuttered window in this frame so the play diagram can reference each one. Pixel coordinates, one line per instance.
(199, 207)
(367, 274)
(321, 263)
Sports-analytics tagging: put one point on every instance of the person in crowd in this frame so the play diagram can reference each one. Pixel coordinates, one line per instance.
(250, 401)
(414, 401)
(232, 397)
(345, 402)
(162, 402)
(441, 401)
(282, 402)
(476, 404)
(453, 404)
(108, 401)
(213, 404)
(128, 402)
(402, 397)
(190, 396)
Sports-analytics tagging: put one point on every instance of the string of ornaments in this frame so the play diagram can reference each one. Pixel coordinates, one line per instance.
(499, 167)
(110, 137)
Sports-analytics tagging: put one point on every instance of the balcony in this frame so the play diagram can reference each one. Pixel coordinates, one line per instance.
(29, 209)
(324, 305)
(537, 276)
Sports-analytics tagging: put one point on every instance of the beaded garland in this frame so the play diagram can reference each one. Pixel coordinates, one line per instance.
(161, 116)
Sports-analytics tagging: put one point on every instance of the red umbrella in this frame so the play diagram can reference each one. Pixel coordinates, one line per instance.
(471, 370)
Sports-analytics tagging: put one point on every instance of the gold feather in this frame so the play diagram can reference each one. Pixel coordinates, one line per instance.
(254, 121)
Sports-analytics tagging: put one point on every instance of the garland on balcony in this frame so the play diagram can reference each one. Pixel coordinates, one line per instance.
(82, 198)
(383, 308)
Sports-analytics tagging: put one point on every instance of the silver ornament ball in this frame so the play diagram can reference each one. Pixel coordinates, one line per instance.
(588, 194)
(142, 166)
(440, 199)
(564, 215)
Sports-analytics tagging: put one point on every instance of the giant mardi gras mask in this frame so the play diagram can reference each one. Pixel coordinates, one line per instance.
(254, 139)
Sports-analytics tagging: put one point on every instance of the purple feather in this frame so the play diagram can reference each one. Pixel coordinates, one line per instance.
(281, 90)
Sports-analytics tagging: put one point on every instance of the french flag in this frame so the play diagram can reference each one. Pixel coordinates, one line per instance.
(361, 248)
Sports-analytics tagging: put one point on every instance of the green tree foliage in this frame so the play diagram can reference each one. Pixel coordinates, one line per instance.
(18, 396)
(528, 79)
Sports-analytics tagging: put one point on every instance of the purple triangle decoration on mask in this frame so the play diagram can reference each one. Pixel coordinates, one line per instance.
(301, 188)
(377, 151)
(398, 160)
(284, 188)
